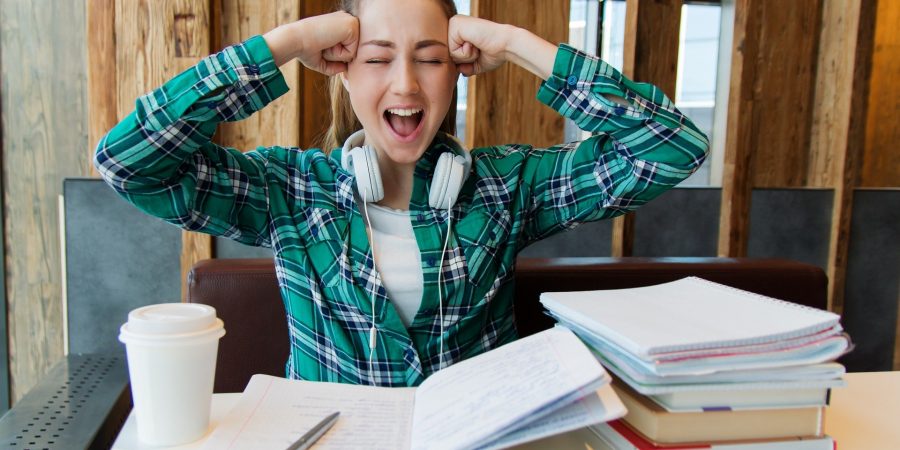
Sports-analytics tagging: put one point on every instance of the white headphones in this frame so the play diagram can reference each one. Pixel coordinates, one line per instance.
(450, 172)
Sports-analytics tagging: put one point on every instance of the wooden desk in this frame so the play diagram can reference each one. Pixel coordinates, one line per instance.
(862, 416)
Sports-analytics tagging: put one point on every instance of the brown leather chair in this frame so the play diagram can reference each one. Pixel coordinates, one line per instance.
(246, 297)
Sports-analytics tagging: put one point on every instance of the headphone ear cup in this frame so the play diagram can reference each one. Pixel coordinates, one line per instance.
(368, 176)
(449, 174)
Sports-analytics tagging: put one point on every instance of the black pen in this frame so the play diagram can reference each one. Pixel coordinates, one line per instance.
(310, 437)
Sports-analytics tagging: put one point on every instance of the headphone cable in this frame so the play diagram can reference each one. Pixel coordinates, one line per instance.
(441, 288)
(372, 332)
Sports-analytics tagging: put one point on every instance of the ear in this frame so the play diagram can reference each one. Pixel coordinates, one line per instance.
(344, 81)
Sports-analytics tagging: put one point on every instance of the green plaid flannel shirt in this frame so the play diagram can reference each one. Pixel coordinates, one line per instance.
(301, 204)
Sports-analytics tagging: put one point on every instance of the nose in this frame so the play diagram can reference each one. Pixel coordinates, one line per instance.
(404, 80)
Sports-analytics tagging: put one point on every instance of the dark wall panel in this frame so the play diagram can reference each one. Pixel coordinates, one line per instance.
(589, 239)
(791, 224)
(117, 259)
(227, 248)
(681, 222)
(873, 279)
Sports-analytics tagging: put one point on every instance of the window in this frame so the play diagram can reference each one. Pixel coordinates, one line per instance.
(699, 75)
(695, 88)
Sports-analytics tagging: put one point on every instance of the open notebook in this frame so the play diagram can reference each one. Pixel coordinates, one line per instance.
(535, 387)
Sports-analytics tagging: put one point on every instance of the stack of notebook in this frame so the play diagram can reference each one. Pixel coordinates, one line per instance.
(703, 364)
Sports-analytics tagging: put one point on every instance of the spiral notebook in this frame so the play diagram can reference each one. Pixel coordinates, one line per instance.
(688, 315)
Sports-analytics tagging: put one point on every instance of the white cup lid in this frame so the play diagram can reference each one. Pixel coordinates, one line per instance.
(166, 319)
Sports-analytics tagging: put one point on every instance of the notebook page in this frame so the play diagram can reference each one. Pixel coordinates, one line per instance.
(470, 402)
(600, 406)
(687, 314)
(274, 412)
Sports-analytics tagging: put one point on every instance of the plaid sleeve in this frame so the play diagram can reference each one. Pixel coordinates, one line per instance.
(161, 158)
(636, 153)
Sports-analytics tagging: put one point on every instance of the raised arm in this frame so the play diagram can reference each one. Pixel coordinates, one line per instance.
(161, 158)
(641, 144)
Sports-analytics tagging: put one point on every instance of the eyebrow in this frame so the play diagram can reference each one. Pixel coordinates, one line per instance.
(419, 45)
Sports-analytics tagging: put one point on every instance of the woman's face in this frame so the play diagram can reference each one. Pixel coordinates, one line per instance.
(401, 82)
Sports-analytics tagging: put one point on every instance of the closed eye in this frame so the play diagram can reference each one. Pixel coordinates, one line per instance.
(376, 61)
(432, 61)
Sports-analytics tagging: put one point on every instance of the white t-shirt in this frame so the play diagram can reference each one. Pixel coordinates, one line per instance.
(397, 259)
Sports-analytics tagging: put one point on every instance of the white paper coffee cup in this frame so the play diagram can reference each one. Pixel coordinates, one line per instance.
(171, 349)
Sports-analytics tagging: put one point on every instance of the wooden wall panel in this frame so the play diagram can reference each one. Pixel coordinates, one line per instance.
(501, 105)
(770, 103)
(156, 40)
(650, 55)
(881, 158)
(279, 122)
(839, 119)
(101, 70)
(652, 29)
(147, 54)
(739, 141)
(783, 90)
(315, 107)
(45, 133)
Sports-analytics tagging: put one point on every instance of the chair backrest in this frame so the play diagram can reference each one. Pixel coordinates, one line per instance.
(246, 296)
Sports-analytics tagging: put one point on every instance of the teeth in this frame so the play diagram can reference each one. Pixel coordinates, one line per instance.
(404, 112)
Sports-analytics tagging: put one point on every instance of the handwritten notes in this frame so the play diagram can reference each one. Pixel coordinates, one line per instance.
(474, 400)
(274, 412)
(537, 386)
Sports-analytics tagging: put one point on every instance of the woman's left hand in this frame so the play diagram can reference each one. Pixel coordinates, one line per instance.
(478, 45)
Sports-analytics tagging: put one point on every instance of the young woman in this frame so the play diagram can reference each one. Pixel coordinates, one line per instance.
(386, 281)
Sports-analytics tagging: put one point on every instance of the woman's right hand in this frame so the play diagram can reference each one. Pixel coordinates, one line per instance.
(323, 43)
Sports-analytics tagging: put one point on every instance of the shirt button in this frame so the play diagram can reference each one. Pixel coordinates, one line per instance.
(619, 110)
(572, 80)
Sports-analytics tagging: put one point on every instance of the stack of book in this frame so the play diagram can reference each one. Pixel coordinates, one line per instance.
(705, 365)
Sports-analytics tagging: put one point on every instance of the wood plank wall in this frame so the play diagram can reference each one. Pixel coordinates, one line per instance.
(839, 122)
(501, 106)
(739, 138)
(103, 112)
(881, 158)
(154, 41)
(279, 122)
(770, 105)
(782, 90)
(45, 134)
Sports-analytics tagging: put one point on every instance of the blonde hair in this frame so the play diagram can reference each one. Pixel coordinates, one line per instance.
(343, 120)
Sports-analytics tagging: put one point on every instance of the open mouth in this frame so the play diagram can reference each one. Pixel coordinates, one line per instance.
(405, 123)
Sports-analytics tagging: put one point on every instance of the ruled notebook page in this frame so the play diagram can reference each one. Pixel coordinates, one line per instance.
(480, 399)
(683, 315)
